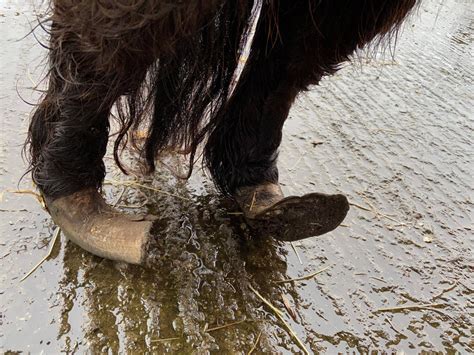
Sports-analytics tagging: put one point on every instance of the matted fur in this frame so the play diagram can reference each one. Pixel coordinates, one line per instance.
(178, 59)
(296, 43)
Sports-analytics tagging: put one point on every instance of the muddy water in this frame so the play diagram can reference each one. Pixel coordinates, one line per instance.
(393, 135)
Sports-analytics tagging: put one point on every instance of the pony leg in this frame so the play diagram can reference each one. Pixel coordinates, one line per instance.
(178, 56)
(96, 56)
(295, 45)
(68, 139)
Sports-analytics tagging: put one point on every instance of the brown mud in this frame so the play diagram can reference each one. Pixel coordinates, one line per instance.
(394, 135)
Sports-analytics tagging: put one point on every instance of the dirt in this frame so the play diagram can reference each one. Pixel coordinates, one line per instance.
(391, 133)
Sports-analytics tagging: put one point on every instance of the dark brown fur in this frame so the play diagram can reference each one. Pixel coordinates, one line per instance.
(177, 59)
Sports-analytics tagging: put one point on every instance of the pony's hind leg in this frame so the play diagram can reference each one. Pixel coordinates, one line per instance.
(89, 69)
(296, 43)
(99, 52)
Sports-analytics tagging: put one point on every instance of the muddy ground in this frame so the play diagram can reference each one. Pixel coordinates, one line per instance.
(394, 135)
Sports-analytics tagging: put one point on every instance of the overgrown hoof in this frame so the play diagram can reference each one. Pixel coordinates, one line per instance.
(85, 218)
(296, 217)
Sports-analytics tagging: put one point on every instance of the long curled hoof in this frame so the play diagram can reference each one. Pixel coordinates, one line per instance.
(85, 218)
(291, 218)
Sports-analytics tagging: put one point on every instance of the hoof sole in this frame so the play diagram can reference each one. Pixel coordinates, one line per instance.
(300, 217)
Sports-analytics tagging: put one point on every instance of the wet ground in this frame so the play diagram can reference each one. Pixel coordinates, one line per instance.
(393, 135)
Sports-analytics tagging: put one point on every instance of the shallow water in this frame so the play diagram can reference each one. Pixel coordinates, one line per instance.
(393, 135)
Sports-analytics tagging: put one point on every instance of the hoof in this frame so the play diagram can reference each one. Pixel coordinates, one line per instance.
(85, 218)
(295, 217)
(255, 199)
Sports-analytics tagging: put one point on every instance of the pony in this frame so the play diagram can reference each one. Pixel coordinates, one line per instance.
(169, 68)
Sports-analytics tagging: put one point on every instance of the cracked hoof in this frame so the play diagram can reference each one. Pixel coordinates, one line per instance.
(294, 217)
(86, 219)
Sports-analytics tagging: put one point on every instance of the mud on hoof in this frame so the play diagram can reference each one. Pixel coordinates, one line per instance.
(294, 217)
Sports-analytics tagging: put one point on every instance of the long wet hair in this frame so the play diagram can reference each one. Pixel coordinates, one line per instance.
(168, 66)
